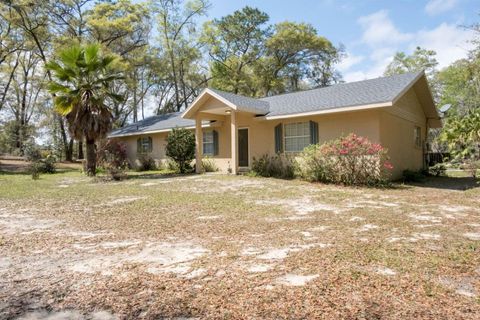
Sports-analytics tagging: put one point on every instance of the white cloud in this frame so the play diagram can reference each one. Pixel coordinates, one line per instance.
(379, 29)
(383, 39)
(434, 7)
(449, 42)
(349, 61)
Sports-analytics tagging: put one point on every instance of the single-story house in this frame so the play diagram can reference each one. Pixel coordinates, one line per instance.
(395, 111)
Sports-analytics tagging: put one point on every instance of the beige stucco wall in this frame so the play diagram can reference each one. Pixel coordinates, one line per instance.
(159, 141)
(397, 125)
(393, 127)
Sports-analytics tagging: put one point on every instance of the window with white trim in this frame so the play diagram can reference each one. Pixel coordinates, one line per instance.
(297, 136)
(417, 137)
(208, 143)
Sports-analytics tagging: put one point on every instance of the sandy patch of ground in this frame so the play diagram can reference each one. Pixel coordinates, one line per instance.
(122, 200)
(385, 271)
(367, 227)
(13, 223)
(282, 253)
(303, 206)
(259, 267)
(67, 315)
(158, 257)
(208, 217)
(472, 235)
(462, 285)
(295, 279)
(425, 217)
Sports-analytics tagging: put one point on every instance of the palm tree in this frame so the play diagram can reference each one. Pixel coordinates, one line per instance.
(81, 87)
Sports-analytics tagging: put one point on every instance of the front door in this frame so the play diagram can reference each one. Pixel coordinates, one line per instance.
(243, 147)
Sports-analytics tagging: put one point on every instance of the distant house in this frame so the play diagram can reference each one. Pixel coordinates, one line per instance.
(395, 111)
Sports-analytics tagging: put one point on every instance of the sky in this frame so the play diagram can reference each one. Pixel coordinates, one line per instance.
(373, 30)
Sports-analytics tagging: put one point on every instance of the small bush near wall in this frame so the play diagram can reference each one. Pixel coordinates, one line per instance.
(350, 160)
(112, 157)
(278, 166)
(209, 165)
(171, 165)
(146, 163)
(437, 170)
(181, 148)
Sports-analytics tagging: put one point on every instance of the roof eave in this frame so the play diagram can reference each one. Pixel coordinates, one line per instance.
(139, 133)
(328, 111)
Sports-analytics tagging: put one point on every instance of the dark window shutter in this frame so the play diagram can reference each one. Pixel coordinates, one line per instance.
(150, 144)
(139, 145)
(215, 143)
(313, 132)
(278, 138)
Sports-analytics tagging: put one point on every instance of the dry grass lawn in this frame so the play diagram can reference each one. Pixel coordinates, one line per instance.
(225, 247)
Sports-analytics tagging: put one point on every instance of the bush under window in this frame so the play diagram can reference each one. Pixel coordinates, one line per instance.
(350, 160)
(277, 166)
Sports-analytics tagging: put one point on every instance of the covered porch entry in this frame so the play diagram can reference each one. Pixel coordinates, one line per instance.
(230, 136)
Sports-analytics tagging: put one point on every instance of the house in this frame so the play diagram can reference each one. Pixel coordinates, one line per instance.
(395, 111)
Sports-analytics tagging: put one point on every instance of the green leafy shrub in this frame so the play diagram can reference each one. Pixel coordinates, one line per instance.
(412, 176)
(350, 160)
(146, 163)
(112, 157)
(277, 166)
(437, 170)
(47, 165)
(208, 165)
(35, 170)
(171, 165)
(181, 148)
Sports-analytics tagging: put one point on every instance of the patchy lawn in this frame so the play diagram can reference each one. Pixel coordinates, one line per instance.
(220, 247)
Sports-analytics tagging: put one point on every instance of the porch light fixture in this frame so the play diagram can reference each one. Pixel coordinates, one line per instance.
(228, 111)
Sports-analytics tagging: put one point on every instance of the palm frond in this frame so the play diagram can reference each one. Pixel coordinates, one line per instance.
(91, 54)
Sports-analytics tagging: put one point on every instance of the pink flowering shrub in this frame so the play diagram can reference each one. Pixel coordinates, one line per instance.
(350, 160)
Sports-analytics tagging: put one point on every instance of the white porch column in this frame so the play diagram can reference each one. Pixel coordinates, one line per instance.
(199, 144)
(234, 142)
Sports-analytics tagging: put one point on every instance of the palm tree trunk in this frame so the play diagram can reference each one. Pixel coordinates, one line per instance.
(91, 158)
(80, 149)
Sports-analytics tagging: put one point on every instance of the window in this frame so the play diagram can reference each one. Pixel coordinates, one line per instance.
(297, 136)
(144, 145)
(208, 143)
(417, 136)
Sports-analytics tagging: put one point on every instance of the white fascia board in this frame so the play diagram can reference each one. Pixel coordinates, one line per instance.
(329, 111)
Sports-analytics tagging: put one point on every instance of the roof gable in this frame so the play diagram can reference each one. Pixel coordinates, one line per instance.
(234, 101)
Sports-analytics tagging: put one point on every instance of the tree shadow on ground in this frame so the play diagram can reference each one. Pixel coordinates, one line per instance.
(448, 183)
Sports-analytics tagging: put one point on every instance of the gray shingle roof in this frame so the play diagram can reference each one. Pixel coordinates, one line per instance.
(351, 94)
(244, 103)
(155, 123)
(379, 90)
